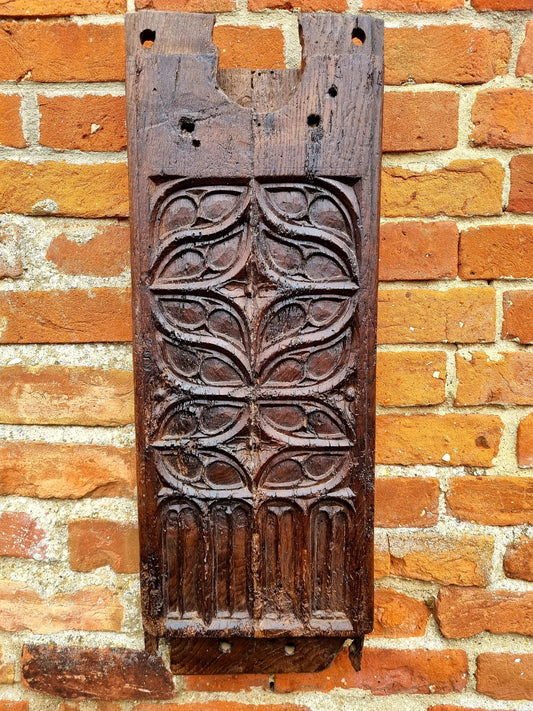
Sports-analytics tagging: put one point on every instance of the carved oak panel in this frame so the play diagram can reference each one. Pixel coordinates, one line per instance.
(254, 298)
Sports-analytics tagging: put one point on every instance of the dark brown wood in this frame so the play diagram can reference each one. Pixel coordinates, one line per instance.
(255, 223)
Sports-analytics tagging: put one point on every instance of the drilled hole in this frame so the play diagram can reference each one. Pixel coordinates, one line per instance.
(196, 143)
(147, 38)
(224, 646)
(290, 649)
(187, 126)
(332, 91)
(358, 36)
(313, 120)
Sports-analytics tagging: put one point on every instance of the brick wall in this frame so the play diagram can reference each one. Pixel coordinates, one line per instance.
(454, 544)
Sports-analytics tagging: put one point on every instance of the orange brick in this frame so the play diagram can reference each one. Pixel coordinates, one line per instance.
(398, 615)
(491, 500)
(93, 608)
(521, 193)
(225, 682)
(505, 676)
(518, 559)
(62, 51)
(464, 187)
(302, 5)
(412, 5)
(465, 612)
(422, 54)
(427, 316)
(462, 560)
(418, 250)
(86, 123)
(421, 121)
(65, 471)
(524, 65)
(75, 316)
(501, 5)
(21, 536)
(495, 251)
(387, 671)
(445, 440)
(106, 254)
(187, 5)
(56, 8)
(524, 443)
(508, 380)
(60, 395)
(94, 543)
(518, 316)
(503, 118)
(64, 189)
(250, 47)
(410, 378)
(406, 501)
(14, 705)
(11, 122)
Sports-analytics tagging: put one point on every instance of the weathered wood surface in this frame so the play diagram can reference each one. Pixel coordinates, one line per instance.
(255, 223)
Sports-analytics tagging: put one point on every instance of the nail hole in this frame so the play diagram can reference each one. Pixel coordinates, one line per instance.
(332, 91)
(187, 126)
(290, 649)
(358, 36)
(147, 38)
(313, 120)
(224, 646)
(196, 143)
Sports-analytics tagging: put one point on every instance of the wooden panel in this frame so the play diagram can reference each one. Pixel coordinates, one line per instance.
(255, 271)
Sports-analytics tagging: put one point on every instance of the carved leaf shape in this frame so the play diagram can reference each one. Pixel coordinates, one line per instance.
(223, 475)
(306, 420)
(180, 214)
(284, 322)
(289, 202)
(325, 213)
(217, 370)
(296, 468)
(217, 205)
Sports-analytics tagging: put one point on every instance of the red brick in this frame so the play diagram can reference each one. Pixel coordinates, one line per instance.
(106, 254)
(387, 671)
(406, 501)
(57, 8)
(187, 5)
(11, 122)
(518, 316)
(90, 609)
(465, 612)
(521, 193)
(506, 380)
(524, 65)
(302, 5)
(491, 500)
(524, 442)
(75, 316)
(418, 250)
(61, 395)
(86, 123)
(250, 47)
(422, 54)
(51, 188)
(503, 118)
(94, 543)
(495, 251)
(62, 51)
(420, 121)
(428, 316)
(502, 5)
(226, 682)
(463, 187)
(410, 378)
(398, 615)
(505, 676)
(518, 559)
(459, 560)
(445, 440)
(412, 5)
(66, 471)
(107, 673)
(21, 536)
